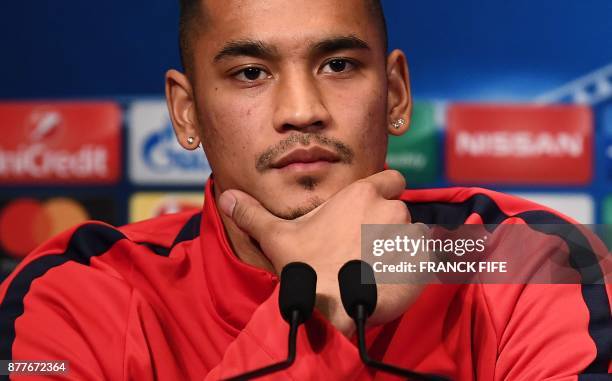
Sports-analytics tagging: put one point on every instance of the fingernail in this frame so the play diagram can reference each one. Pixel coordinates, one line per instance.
(227, 202)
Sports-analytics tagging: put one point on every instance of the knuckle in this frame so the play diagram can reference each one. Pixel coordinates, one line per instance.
(422, 228)
(397, 177)
(406, 212)
(399, 211)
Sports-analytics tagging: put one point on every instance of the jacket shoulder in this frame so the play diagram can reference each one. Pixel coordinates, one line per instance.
(96, 250)
(163, 230)
(468, 204)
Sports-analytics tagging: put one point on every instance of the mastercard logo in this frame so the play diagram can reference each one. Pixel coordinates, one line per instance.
(26, 223)
(145, 205)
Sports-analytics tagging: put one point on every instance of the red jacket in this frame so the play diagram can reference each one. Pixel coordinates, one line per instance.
(167, 299)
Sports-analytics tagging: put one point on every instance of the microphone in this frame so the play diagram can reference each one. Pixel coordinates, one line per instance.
(359, 297)
(296, 300)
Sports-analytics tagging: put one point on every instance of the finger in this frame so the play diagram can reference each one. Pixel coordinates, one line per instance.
(311, 213)
(247, 213)
(389, 183)
(401, 209)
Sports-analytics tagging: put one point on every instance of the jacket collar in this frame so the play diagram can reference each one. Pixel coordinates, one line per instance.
(236, 289)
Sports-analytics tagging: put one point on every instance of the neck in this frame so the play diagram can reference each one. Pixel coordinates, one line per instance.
(245, 247)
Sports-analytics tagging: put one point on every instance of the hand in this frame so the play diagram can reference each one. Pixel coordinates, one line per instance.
(328, 237)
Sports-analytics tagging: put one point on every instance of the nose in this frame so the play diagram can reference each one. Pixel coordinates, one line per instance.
(299, 104)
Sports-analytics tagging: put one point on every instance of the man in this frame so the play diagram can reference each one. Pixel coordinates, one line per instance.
(292, 103)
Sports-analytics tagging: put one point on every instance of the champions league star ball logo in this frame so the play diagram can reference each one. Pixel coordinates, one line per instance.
(161, 153)
(154, 156)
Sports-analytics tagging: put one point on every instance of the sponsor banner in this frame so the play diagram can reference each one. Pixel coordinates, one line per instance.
(607, 135)
(606, 216)
(26, 222)
(147, 205)
(415, 154)
(155, 157)
(578, 206)
(60, 142)
(606, 213)
(519, 144)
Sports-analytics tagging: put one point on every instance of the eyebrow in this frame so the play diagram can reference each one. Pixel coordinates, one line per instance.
(250, 48)
(259, 49)
(334, 44)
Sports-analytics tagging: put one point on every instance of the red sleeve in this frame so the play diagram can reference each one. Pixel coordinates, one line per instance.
(323, 353)
(86, 328)
(553, 331)
(542, 332)
(55, 306)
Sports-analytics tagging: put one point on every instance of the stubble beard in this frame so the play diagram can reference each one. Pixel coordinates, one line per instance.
(309, 184)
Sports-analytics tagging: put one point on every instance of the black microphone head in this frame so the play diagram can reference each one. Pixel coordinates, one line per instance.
(298, 288)
(357, 286)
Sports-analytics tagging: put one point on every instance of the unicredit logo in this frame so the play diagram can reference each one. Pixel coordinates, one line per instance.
(45, 123)
(37, 161)
(519, 144)
(65, 142)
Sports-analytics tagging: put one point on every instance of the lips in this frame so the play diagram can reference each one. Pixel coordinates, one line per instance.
(306, 156)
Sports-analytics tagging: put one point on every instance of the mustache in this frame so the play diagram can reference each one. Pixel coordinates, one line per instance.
(265, 159)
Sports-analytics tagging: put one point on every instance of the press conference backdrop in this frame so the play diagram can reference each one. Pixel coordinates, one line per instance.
(514, 96)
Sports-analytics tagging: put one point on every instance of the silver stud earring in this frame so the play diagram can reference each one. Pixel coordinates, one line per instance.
(398, 123)
(190, 140)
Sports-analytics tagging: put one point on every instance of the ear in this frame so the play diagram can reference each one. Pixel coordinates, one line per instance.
(399, 104)
(181, 106)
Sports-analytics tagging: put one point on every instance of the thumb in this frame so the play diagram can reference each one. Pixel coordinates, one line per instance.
(246, 212)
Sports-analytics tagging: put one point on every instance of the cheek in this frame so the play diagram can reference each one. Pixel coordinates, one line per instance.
(362, 121)
(229, 129)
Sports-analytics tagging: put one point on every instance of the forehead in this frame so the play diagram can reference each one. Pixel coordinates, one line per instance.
(290, 24)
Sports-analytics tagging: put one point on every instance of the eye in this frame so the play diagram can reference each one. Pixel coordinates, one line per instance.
(338, 65)
(251, 74)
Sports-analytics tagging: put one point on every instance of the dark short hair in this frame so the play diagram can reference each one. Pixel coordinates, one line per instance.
(193, 12)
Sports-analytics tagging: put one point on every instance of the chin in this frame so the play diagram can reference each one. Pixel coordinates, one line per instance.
(294, 203)
(302, 194)
(295, 210)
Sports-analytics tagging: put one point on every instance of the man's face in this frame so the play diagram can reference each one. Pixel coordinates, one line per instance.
(291, 98)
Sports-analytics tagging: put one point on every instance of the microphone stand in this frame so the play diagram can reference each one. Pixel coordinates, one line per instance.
(360, 320)
(296, 300)
(295, 320)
